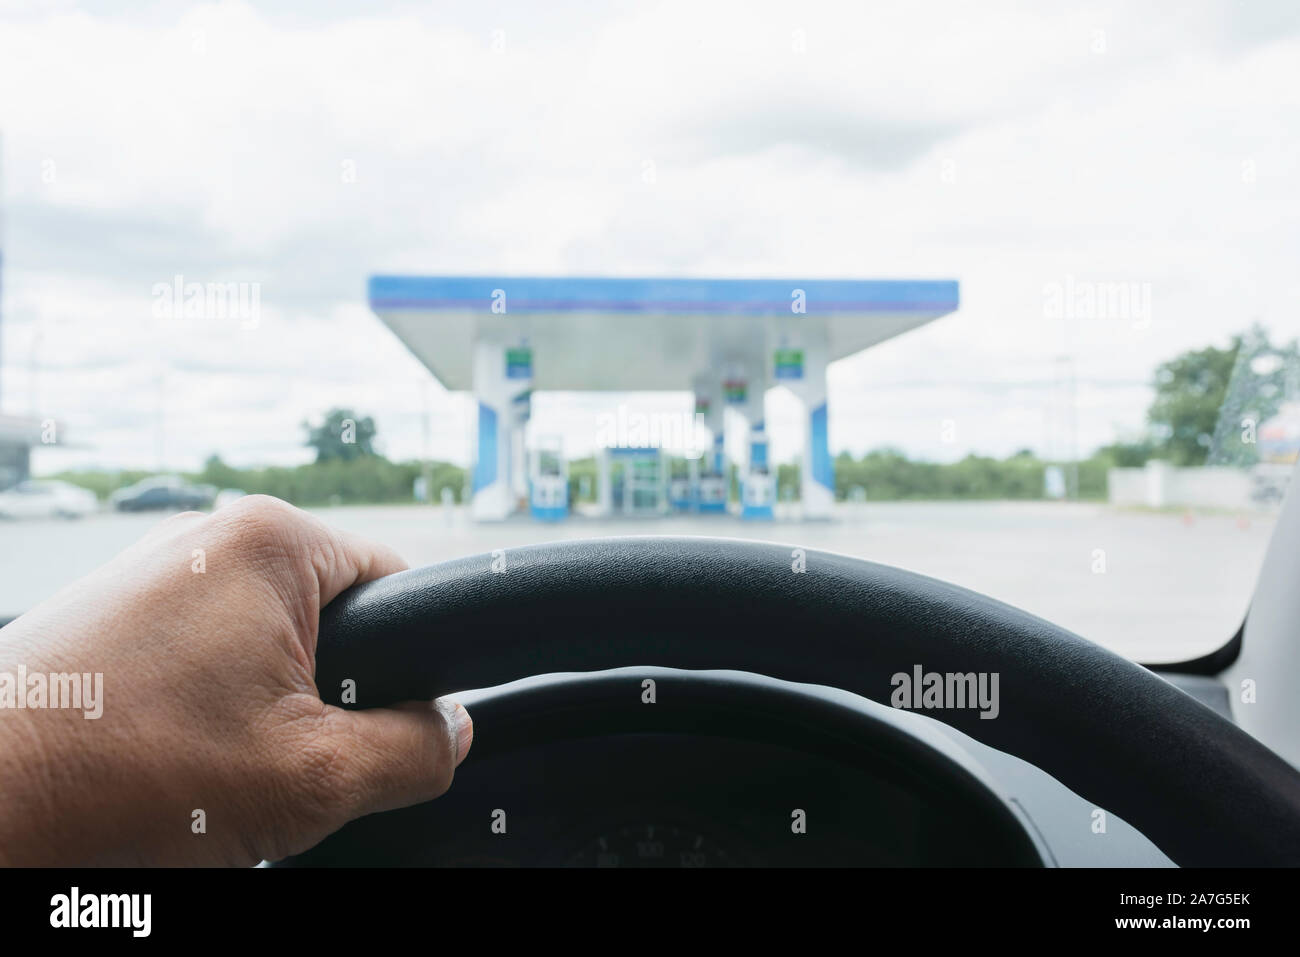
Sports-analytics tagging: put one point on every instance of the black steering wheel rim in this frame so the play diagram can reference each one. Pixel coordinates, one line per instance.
(1203, 790)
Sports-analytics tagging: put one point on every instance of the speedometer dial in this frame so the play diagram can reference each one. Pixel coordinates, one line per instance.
(652, 845)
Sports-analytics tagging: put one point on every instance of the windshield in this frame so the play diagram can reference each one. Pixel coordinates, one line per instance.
(1005, 299)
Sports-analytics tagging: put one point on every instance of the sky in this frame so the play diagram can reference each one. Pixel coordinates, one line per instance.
(1036, 152)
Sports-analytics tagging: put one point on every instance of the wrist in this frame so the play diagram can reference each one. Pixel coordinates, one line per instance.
(27, 812)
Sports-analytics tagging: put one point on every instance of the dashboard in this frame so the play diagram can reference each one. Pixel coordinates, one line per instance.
(718, 770)
(672, 800)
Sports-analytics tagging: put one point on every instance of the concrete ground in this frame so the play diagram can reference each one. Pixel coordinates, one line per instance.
(1172, 586)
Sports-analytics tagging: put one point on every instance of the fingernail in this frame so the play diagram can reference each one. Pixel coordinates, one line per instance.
(464, 729)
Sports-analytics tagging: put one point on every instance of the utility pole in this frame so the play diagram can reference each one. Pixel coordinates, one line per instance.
(1067, 359)
(426, 442)
(2, 269)
(1073, 412)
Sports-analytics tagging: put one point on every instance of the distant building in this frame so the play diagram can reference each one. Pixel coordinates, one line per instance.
(726, 341)
(17, 436)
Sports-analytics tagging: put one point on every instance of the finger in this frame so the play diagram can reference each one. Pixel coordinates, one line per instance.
(271, 526)
(352, 559)
(339, 559)
(395, 757)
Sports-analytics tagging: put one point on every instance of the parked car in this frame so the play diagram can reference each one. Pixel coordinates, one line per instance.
(160, 492)
(47, 499)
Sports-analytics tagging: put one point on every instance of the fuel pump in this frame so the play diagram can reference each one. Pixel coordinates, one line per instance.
(548, 481)
(758, 489)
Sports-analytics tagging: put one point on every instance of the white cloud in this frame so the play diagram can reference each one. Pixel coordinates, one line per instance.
(305, 152)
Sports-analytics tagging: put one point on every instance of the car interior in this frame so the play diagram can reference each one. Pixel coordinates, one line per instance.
(813, 435)
(705, 705)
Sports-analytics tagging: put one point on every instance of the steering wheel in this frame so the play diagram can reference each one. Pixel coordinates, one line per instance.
(1199, 787)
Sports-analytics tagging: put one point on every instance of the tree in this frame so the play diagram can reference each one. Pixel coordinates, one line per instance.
(218, 473)
(342, 436)
(1127, 455)
(1205, 398)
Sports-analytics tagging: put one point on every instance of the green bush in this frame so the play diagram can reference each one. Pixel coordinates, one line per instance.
(368, 480)
(883, 475)
(889, 475)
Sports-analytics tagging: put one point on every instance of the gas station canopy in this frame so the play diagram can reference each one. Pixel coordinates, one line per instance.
(725, 340)
(604, 334)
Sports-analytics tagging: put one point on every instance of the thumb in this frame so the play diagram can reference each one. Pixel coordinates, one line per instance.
(387, 758)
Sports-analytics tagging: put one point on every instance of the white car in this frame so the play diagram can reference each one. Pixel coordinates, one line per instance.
(47, 499)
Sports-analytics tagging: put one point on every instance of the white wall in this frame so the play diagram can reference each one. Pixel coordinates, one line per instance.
(1160, 484)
